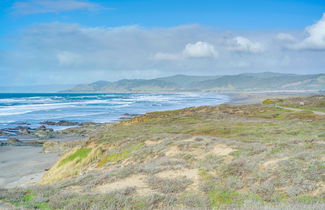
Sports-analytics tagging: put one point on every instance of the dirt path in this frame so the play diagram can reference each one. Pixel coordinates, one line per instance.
(299, 110)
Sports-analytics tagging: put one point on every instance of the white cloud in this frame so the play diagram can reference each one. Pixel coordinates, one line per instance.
(242, 44)
(315, 39)
(200, 50)
(191, 50)
(52, 6)
(285, 37)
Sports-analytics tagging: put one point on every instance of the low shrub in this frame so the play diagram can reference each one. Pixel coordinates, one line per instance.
(168, 185)
(219, 197)
(191, 200)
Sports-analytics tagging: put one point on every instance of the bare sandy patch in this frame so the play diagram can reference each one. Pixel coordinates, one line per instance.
(151, 142)
(320, 190)
(273, 162)
(222, 150)
(137, 181)
(173, 150)
(322, 158)
(192, 174)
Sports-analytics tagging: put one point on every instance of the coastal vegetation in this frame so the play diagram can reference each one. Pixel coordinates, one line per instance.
(269, 155)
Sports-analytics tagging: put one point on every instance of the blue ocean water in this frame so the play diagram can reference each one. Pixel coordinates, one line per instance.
(19, 108)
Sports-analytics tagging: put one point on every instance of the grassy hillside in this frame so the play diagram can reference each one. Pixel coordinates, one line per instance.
(185, 81)
(242, 82)
(260, 82)
(222, 157)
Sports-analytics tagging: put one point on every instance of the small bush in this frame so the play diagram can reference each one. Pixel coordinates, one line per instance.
(191, 200)
(309, 115)
(267, 101)
(265, 190)
(12, 195)
(310, 199)
(121, 199)
(236, 168)
(219, 197)
(168, 185)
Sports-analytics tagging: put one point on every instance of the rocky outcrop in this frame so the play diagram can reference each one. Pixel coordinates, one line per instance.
(44, 132)
(13, 141)
(128, 116)
(60, 123)
(17, 142)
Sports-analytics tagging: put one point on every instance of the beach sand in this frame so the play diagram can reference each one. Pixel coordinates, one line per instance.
(22, 166)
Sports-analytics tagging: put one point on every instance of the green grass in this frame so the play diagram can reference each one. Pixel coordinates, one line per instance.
(114, 157)
(29, 202)
(79, 154)
(276, 150)
(28, 196)
(219, 197)
(310, 199)
(267, 101)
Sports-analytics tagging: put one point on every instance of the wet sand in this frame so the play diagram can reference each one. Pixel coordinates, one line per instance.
(21, 166)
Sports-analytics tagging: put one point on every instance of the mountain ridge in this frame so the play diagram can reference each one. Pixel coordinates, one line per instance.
(264, 81)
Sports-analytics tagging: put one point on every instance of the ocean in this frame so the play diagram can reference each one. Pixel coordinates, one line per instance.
(31, 109)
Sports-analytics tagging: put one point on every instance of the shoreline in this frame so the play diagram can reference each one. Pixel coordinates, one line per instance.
(23, 165)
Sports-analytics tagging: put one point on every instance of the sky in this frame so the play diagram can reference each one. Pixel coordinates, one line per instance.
(82, 41)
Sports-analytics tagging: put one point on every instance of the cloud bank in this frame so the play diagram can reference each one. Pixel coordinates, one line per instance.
(72, 53)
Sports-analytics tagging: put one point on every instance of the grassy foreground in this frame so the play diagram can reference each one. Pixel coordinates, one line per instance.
(260, 156)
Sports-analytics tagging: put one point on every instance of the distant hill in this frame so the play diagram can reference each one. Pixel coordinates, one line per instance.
(266, 81)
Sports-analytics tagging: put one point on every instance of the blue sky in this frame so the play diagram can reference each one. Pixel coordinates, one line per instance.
(47, 41)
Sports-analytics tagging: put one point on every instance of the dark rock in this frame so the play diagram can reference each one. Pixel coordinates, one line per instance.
(88, 124)
(3, 143)
(48, 123)
(23, 123)
(128, 116)
(34, 143)
(21, 127)
(41, 128)
(60, 123)
(3, 133)
(13, 141)
(24, 130)
(43, 132)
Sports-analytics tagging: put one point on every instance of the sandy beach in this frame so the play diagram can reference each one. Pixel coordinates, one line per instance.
(22, 166)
